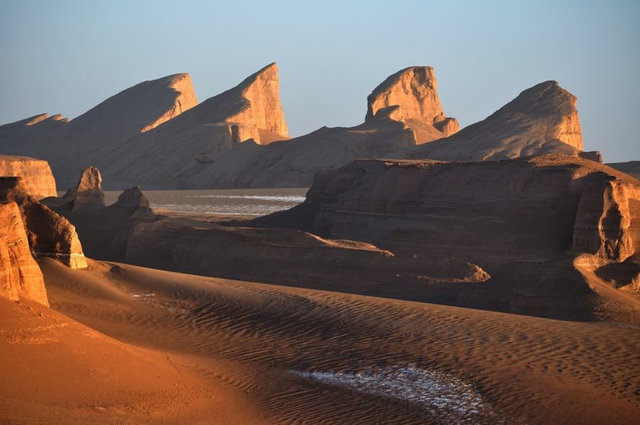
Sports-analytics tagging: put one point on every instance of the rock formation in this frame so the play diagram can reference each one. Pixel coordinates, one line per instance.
(88, 192)
(542, 119)
(102, 134)
(36, 174)
(104, 230)
(410, 96)
(20, 276)
(510, 218)
(49, 234)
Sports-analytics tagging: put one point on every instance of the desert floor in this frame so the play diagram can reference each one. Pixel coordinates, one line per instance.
(128, 345)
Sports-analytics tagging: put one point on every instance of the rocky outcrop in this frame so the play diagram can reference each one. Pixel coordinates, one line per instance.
(49, 234)
(88, 192)
(20, 276)
(104, 230)
(541, 120)
(507, 217)
(410, 96)
(36, 174)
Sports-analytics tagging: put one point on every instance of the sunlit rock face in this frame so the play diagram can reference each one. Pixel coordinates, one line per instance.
(541, 120)
(410, 96)
(36, 174)
(20, 276)
(48, 233)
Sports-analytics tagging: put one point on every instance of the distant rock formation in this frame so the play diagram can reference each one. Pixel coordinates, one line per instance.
(36, 174)
(100, 135)
(410, 96)
(20, 276)
(49, 234)
(541, 120)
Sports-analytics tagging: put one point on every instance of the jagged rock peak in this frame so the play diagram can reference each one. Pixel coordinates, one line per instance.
(88, 192)
(255, 106)
(556, 106)
(411, 96)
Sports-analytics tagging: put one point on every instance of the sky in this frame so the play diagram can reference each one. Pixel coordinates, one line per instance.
(67, 56)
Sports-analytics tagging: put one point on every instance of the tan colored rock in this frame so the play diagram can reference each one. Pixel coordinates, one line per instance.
(631, 167)
(20, 276)
(35, 173)
(184, 100)
(541, 120)
(410, 96)
(49, 234)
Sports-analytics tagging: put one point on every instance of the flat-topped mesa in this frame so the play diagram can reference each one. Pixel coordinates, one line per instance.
(410, 96)
(48, 233)
(88, 192)
(20, 276)
(36, 174)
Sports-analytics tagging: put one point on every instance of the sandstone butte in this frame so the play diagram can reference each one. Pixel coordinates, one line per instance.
(35, 173)
(48, 233)
(88, 192)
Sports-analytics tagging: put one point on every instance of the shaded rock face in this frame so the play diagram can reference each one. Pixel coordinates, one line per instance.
(88, 193)
(20, 275)
(104, 230)
(541, 120)
(36, 174)
(410, 96)
(485, 212)
(49, 233)
(510, 218)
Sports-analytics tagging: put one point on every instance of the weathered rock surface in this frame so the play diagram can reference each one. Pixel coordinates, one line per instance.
(410, 96)
(541, 120)
(35, 173)
(631, 167)
(49, 234)
(20, 276)
(504, 216)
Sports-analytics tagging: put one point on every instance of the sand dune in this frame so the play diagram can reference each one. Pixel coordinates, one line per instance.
(302, 356)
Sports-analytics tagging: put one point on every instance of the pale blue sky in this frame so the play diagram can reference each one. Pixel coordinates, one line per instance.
(67, 56)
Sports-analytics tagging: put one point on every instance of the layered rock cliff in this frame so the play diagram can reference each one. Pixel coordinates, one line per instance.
(541, 120)
(410, 96)
(49, 234)
(20, 276)
(512, 218)
(36, 174)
